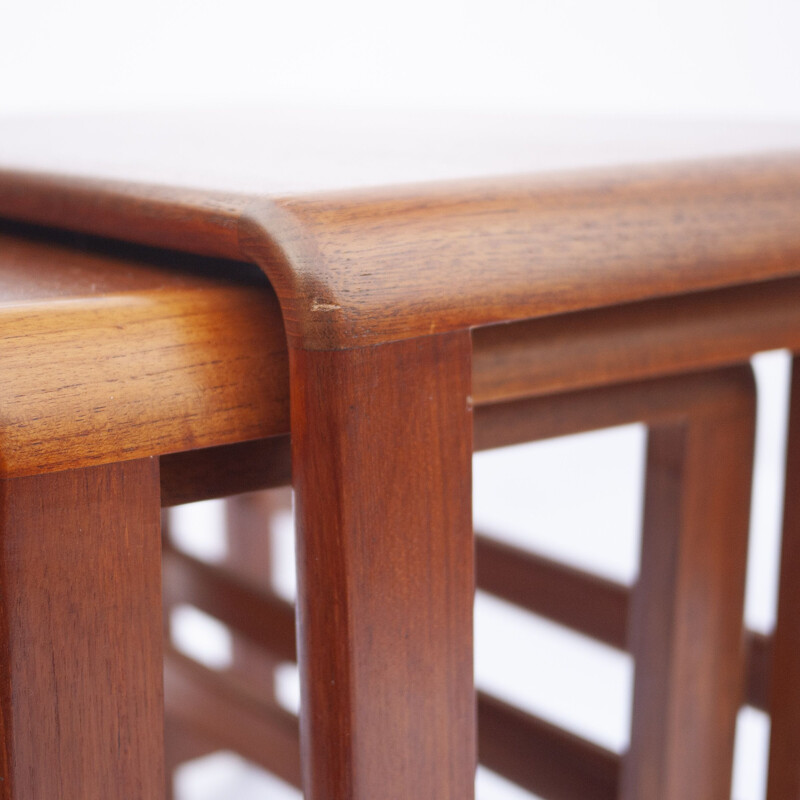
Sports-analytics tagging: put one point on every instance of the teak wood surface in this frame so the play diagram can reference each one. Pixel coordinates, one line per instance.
(379, 273)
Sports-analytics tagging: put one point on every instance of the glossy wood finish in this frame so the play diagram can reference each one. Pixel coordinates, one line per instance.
(377, 289)
(364, 265)
(112, 355)
(534, 418)
(556, 354)
(784, 764)
(80, 635)
(381, 441)
(572, 241)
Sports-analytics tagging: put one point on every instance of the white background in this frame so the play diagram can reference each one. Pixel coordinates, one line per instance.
(729, 57)
(738, 58)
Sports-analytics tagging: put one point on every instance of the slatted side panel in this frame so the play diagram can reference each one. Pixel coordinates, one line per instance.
(540, 757)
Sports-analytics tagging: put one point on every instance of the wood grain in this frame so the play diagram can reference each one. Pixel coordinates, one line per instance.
(195, 221)
(375, 265)
(109, 358)
(81, 700)
(381, 442)
(368, 266)
(377, 289)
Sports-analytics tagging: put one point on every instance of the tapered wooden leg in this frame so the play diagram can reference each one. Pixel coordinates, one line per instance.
(382, 452)
(686, 626)
(784, 754)
(81, 701)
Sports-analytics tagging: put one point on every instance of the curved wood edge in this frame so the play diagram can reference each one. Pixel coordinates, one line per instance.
(199, 222)
(370, 266)
(364, 267)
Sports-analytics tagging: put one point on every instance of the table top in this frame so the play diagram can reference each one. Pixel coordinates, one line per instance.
(113, 352)
(383, 226)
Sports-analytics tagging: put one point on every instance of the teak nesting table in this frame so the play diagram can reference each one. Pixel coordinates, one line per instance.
(147, 361)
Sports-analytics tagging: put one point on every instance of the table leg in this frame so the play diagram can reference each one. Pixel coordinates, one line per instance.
(784, 758)
(686, 626)
(382, 448)
(80, 635)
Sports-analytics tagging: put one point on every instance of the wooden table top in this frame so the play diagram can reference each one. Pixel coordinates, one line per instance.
(114, 352)
(379, 227)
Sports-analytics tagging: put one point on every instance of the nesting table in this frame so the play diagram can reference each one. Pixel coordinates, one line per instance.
(183, 301)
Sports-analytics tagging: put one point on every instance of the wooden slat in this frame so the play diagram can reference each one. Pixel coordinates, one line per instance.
(633, 342)
(759, 666)
(228, 714)
(526, 750)
(226, 470)
(534, 418)
(250, 531)
(264, 618)
(542, 758)
(534, 754)
(579, 600)
(266, 463)
(182, 743)
(586, 603)
(571, 597)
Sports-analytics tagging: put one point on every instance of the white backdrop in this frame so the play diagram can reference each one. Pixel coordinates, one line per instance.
(731, 58)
